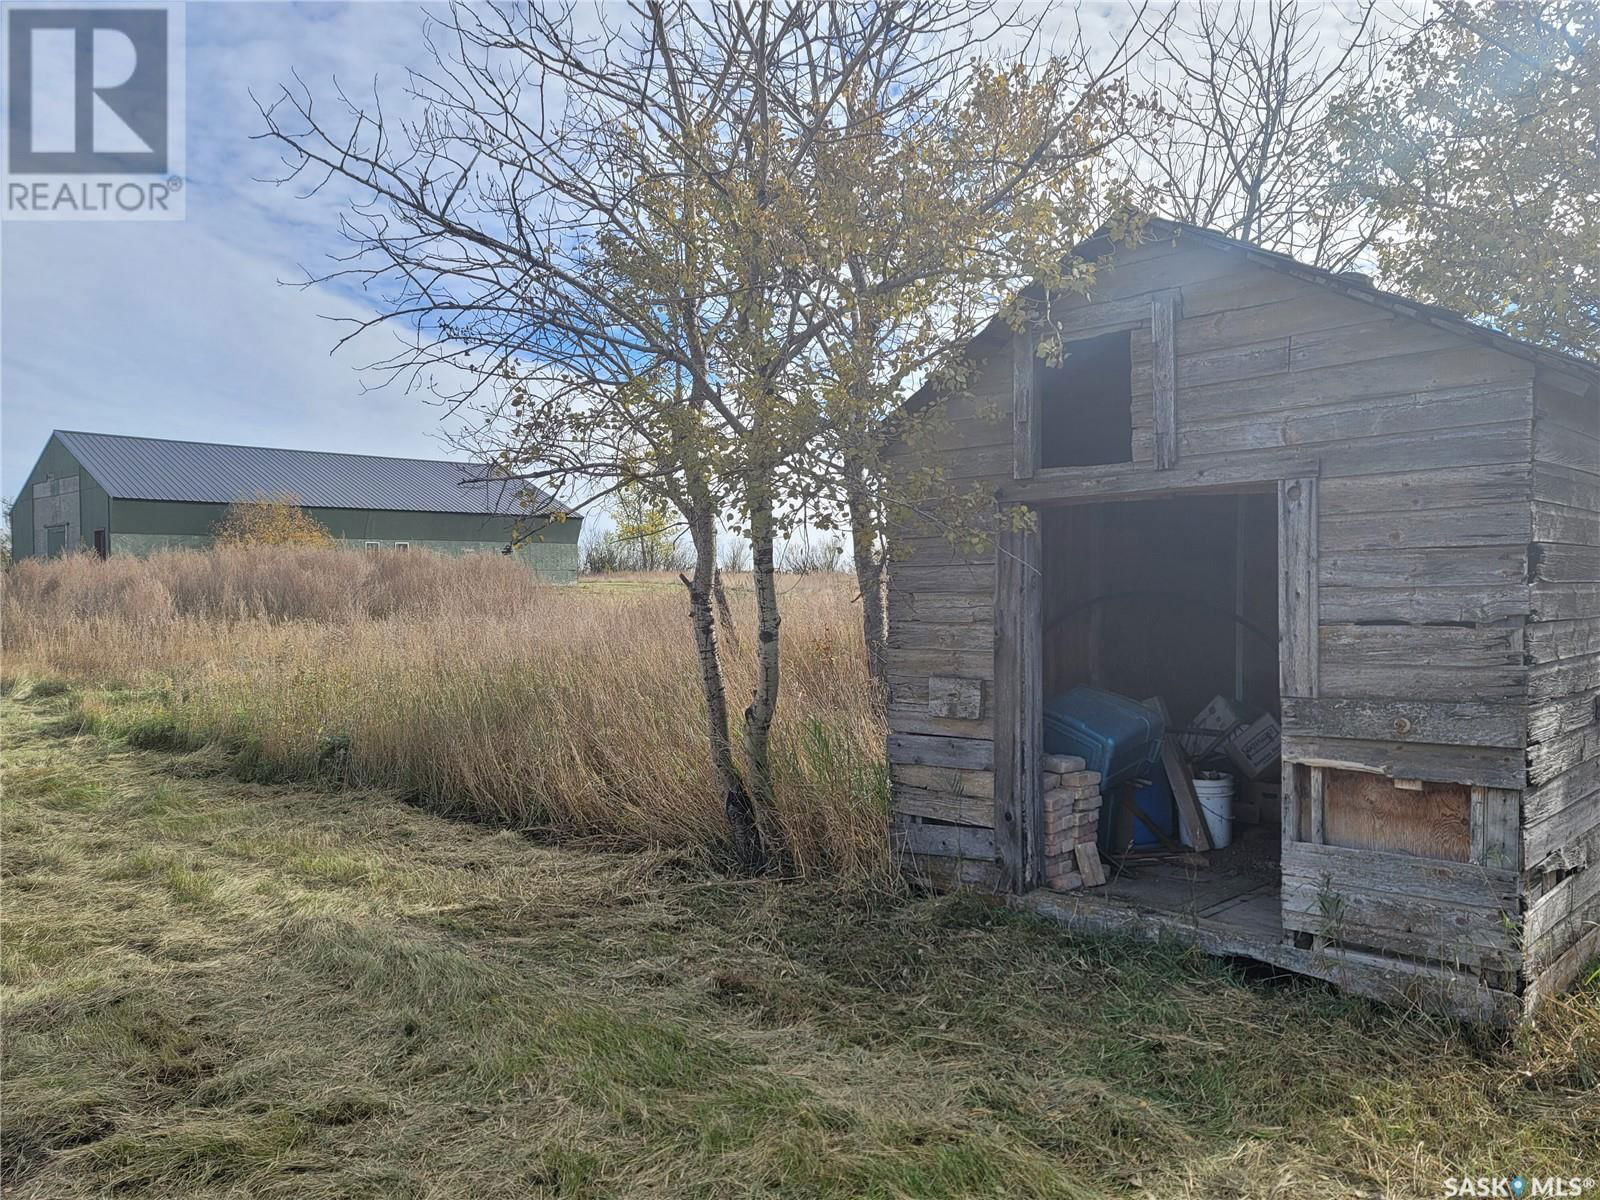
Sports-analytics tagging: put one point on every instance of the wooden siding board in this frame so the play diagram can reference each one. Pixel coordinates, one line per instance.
(1482, 445)
(1497, 723)
(1423, 604)
(1225, 472)
(909, 836)
(1554, 757)
(1562, 485)
(1557, 562)
(1447, 912)
(1549, 641)
(953, 808)
(1562, 445)
(1565, 523)
(946, 781)
(1225, 364)
(1563, 714)
(1440, 662)
(1504, 524)
(1434, 566)
(1479, 374)
(1228, 331)
(1506, 485)
(1355, 417)
(1560, 918)
(1485, 766)
(916, 749)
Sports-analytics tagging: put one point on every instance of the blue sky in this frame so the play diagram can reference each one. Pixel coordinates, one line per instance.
(181, 329)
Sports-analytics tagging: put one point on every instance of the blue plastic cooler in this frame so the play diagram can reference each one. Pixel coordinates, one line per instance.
(1118, 737)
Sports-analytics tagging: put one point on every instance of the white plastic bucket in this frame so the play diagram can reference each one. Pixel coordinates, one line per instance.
(1215, 793)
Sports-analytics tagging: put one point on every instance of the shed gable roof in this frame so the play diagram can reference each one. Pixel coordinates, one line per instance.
(998, 331)
(140, 468)
(1392, 301)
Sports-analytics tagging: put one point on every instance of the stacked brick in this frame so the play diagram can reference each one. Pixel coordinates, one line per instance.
(1071, 824)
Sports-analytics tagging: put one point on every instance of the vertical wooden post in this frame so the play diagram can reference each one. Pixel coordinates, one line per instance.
(1297, 587)
(1497, 828)
(1025, 402)
(1318, 800)
(1164, 377)
(1295, 786)
(1018, 707)
(1297, 642)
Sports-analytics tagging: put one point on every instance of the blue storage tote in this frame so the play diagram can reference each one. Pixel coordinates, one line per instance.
(1118, 737)
(1155, 801)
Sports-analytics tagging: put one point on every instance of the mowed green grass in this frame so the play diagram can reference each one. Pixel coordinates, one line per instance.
(222, 988)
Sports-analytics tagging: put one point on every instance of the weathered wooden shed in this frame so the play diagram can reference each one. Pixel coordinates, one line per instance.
(1372, 519)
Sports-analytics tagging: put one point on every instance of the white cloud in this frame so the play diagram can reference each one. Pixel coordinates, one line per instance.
(182, 329)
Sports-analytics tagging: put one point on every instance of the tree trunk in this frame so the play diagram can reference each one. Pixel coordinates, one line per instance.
(743, 829)
(868, 556)
(724, 609)
(758, 718)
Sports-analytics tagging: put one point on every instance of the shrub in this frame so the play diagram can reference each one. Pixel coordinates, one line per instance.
(270, 520)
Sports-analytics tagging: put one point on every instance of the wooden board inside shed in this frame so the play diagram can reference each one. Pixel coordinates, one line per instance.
(1365, 811)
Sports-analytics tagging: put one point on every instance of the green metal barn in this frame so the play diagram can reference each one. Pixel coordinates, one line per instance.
(112, 494)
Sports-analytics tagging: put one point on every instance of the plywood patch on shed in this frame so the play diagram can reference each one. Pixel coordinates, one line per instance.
(1369, 812)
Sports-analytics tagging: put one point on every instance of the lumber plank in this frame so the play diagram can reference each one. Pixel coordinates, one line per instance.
(1181, 779)
(1441, 722)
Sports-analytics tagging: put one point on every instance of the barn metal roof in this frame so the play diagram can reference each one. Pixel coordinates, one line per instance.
(141, 468)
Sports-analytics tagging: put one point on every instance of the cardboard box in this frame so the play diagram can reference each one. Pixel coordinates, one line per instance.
(1255, 744)
(1255, 748)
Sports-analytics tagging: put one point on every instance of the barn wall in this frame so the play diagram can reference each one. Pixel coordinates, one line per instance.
(1562, 807)
(1421, 441)
(145, 526)
(85, 510)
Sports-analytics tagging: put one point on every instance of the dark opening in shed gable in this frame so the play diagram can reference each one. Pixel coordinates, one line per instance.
(1086, 403)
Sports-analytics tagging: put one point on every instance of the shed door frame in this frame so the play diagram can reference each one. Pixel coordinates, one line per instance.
(1019, 634)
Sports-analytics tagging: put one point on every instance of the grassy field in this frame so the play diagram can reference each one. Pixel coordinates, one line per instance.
(468, 685)
(216, 986)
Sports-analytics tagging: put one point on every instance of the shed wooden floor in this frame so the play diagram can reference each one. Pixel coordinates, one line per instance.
(1227, 903)
(1232, 889)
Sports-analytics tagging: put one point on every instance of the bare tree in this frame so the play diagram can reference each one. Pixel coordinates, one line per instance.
(1241, 139)
(622, 241)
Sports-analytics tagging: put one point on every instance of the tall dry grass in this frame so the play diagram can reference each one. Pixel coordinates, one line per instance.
(465, 683)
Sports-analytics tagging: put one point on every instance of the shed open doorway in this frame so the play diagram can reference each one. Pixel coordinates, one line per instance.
(1174, 601)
